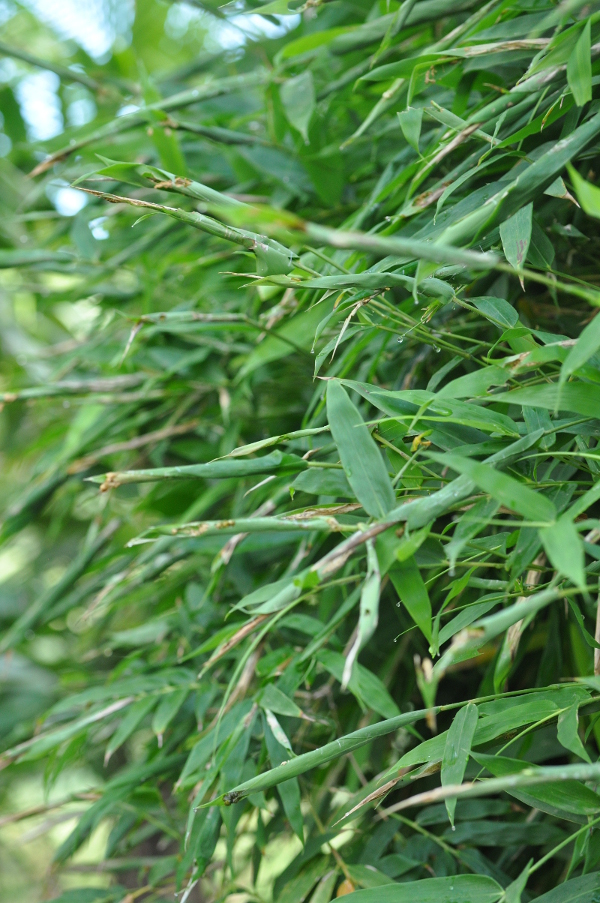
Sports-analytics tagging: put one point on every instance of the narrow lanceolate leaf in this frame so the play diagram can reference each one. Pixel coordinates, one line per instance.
(502, 487)
(411, 589)
(298, 98)
(576, 397)
(167, 710)
(272, 258)
(523, 780)
(134, 716)
(360, 457)
(515, 889)
(568, 732)
(586, 346)
(579, 67)
(515, 233)
(463, 888)
(326, 753)
(294, 524)
(587, 194)
(368, 614)
(457, 749)
(578, 890)
(564, 548)
(410, 123)
(276, 462)
(289, 790)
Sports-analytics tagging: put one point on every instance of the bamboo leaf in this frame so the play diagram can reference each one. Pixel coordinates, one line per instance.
(515, 233)
(413, 594)
(466, 888)
(457, 750)
(579, 67)
(133, 718)
(360, 457)
(368, 612)
(565, 549)
(568, 732)
(289, 789)
(219, 469)
(298, 98)
(410, 123)
(586, 346)
(502, 487)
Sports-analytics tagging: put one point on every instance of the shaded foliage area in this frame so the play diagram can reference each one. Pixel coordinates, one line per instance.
(300, 479)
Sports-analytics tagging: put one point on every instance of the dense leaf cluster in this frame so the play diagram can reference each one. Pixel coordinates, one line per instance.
(300, 451)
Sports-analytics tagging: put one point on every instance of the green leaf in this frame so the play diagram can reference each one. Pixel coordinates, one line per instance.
(579, 67)
(413, 594)
(329, 751)
(368, 876)
(515, 889)
(561, 794)
(296, 333)
(298, 98)
(472, 523)
(580, 398)
(368, 614)
(463, 888)
(457, 750)
(297, 890)
(360, 457)
(324, 889)
(278, 732)
(568, 732)
(323, 481)
(587, 194)
(208, 837)
(515, 233)
(182, 354)
(275, 8)
(91, 895)
(474, 384)
(564, 548)
(273, 699)
(167, 710)
(289, 790)
(465, 618)
(408, 545)
(366, 686)
(502, 487)
(222, 468)
(583, 889)
(131, 720)
(410, 123)
(586, 346)
(497, 310)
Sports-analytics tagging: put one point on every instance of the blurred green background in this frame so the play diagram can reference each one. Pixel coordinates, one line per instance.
(127, 39)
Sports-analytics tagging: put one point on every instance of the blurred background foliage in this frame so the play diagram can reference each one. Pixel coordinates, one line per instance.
(134, 687)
